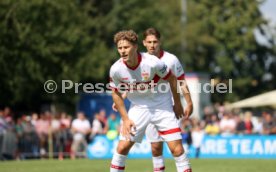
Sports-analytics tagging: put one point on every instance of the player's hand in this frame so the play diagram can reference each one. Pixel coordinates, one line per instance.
(114, 107)
(178, 110)
(188, 111)
(129, 129)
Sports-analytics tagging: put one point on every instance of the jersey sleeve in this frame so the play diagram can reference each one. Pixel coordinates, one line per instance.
(113, 79)
(162, 69)
(177, 69)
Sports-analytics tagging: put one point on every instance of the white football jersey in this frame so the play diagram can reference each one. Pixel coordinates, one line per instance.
(173, 64)
(139, 80)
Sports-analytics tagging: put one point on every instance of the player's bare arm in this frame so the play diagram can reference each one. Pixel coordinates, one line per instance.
(127, 123)
(178, 109)
(186, 93)
(114, 107)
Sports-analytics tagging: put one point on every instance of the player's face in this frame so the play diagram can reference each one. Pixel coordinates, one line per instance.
(152, 44)
(127, 50)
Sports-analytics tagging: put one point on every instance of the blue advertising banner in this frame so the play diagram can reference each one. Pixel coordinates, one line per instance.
(258, 146)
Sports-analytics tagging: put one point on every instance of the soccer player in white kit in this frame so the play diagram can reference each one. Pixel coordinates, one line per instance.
(153, 45)
(140, 74)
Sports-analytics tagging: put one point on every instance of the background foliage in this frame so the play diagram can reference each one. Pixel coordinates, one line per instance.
(73, 39)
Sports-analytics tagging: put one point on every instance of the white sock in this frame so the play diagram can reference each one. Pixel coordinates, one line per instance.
(158, 164)
(118, 163)
(182, 163)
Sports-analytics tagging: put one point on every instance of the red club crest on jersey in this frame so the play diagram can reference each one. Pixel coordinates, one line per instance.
(145, 76)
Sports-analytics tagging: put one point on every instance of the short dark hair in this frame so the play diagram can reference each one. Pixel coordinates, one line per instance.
(152, 31)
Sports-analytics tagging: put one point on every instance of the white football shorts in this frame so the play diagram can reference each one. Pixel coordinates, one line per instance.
(162, 124)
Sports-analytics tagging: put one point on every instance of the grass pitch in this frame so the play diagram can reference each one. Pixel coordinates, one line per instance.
(138, 165)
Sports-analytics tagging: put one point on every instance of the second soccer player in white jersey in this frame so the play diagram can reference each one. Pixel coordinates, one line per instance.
(153, 45)
(134, 72)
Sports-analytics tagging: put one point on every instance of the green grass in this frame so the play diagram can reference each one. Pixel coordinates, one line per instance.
(85, 165)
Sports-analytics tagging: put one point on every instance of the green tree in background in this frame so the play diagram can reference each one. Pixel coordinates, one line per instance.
(73, 40)
(221, 41)
(41, 40)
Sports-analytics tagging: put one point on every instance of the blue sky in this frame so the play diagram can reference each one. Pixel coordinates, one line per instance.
(268, 8)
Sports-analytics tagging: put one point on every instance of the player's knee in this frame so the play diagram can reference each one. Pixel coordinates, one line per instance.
(177, 150)
(122, 150)
(156, 151)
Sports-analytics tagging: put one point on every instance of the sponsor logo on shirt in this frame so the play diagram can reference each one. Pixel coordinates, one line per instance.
(179, 69)
(164, 69)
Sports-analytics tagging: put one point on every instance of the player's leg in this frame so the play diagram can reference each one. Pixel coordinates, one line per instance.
(157, 157)
(140, 117)
(169, 129)
(156, 148)
(181, 160)
(119, 157)
(75, 145)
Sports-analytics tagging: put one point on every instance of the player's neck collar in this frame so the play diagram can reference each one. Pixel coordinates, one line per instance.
(161, 54)
(139, 61)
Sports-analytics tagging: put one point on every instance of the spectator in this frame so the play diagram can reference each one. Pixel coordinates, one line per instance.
(34, 119)
(257, 125)
(80, 128)
(103, 120)
(65, 120)
(240, 127)
(55, 132)
(197, 138)
(113, 126)
(248, 123)
(186, 128)
(3, 128)
(227, 124)
(212, 127)
(97, 127)
(65, 135)
(113, 123)
(9, 140)
(269, 124)
(42, 128)
(207, 112)
(7, 112)
(29, 139)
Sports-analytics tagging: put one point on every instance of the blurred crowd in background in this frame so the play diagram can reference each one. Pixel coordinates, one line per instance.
(61, 135)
